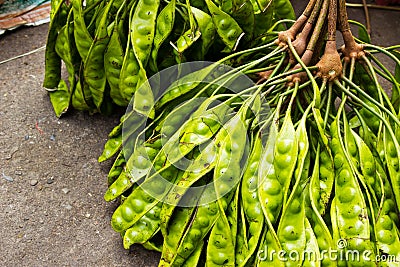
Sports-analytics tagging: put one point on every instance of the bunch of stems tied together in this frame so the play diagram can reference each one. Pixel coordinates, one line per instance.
(284, 152)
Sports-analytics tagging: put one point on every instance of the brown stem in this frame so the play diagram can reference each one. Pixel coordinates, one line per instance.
(332, 19)
(318, 26)
(300, 43)
(350, 49)
(309, 8)
(297, 26)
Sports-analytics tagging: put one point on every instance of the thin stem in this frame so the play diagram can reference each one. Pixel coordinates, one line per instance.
(391, 8)
(332, 18)
(318, 26)
(348, 92)
(367, 19)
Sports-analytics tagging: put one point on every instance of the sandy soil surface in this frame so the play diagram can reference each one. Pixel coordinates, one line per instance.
(52, 211)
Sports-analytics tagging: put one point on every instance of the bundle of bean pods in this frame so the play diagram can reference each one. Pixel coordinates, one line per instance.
(285, 152)
(110, 47)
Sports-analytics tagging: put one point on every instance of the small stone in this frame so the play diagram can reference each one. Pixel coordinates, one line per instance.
(50, 181)
(18, 172)
(33, 182)
(52, 137)
(87, 215)
(8, 178)
(26, 137)
(65, 190)
(68, 207)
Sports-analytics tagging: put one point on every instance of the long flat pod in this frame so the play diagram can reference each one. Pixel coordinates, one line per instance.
(83, 39)
(52, 74)
(228, 29)
(94, 72)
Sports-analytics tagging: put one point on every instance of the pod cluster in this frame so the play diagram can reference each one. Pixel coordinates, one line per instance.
(300, 167)
(109, 48)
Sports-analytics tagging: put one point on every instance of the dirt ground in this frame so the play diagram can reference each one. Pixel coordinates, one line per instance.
(52, 211)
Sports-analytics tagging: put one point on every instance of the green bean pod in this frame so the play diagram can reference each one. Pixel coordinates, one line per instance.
(284, 10)
(350, 206)
(221, 244)
(227, 28)
(116, 168)
(250, 202)
(164, 26)
(285, 154)
(143, 27)
(292, 227)
(52, 74)
(242, 244)
(270, 191)
(143, 199)
(144, 229)
(111, 147)
(94, 72)
(83, 39)
(194, 259)
(113, 59)
(391, 149)
(207, 30)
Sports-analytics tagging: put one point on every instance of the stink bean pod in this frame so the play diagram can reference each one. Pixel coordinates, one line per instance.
(270, 191)
(179, 223)
(203, 220)
(243, 13)
(351, 210)
(284, 10)
(311, 247)
(221, 245)
(227, 28)
(144, 229)
(269, 243)
(142, 28)
(164, 26)
(83, 39)
(52, 75)
(194, 259)
(285, 154)
(126, 180)
(116, 168)
(368, 170)
(392, 150)
(94, 72)
(250, 202)
(207, 30)
(129, 75)
(292, 227)
(113, 59)
(242, 245)
(143, 199)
